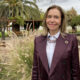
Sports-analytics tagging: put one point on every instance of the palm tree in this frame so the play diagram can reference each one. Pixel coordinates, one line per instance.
(23, 8)
(20, 10)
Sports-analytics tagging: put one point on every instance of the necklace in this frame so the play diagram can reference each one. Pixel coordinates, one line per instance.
(51, 41)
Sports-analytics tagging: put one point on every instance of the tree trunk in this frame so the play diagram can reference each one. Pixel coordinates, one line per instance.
(3, 33)
(74, 29)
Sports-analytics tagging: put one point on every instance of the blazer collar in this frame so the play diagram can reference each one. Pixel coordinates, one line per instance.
(56, 35)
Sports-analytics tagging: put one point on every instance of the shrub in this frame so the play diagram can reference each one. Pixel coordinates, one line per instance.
(6, 34)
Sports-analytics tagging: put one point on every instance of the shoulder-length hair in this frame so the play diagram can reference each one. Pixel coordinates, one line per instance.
(63, 20)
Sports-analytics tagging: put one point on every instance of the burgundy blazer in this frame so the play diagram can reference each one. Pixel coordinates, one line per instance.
(65, 62)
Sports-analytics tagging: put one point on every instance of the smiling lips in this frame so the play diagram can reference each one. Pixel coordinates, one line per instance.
(52, 24)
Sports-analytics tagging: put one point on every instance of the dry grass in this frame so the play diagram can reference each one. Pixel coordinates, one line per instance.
(17, 56)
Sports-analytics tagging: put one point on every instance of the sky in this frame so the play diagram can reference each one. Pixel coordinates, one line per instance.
(65, 4)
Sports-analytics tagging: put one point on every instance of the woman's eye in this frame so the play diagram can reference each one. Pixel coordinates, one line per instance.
(49, 16)
(56, 17)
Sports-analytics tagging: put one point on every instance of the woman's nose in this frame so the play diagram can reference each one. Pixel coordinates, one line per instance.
(52, 19)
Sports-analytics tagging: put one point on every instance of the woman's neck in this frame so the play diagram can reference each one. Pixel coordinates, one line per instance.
(53, 32)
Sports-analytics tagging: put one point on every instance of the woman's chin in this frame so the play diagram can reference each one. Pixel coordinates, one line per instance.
(52, 29)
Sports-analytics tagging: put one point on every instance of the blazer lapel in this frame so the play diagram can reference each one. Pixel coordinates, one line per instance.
(59, 50)
(42, 54)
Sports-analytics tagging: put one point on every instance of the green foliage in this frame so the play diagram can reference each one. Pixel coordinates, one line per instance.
(41, 15)
(70, 14)
(0, 34)
(75, 21)
(3, 71)
(6, 34)
(77, 33)
(18, 20)
(22, 8)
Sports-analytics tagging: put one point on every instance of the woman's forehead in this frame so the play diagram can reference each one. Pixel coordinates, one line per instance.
(54, 11)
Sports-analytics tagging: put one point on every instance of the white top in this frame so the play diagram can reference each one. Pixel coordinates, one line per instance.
(50, 47)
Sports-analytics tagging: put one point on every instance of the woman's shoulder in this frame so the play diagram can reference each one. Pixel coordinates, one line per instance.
(40, 37)
(71, 36)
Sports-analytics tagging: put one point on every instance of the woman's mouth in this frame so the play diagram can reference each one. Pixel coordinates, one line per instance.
(52, 24)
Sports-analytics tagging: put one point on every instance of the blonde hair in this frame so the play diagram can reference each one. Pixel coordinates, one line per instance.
(63, 20)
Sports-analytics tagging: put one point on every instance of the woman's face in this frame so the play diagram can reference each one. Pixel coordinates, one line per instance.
(53, 20)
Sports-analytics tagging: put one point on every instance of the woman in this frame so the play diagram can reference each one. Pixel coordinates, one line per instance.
(55, 54)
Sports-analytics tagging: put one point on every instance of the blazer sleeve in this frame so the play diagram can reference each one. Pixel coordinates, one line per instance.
(35, 63)
(75, 60)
